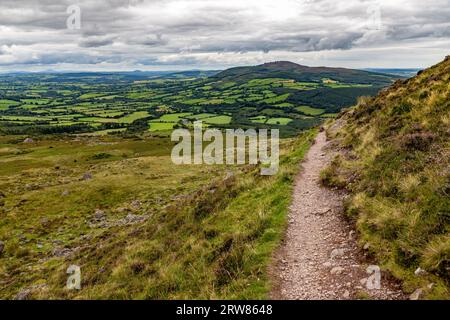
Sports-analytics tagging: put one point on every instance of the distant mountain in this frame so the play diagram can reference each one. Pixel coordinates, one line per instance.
(290, 70)
(124, 75)
(190, 74)
(407, 73)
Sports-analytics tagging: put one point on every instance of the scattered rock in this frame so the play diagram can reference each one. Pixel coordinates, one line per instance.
(99, 214)
(136, 204)
(416, 295)
(346, 294)
(329, 263)
(30, 186)
(122, 210)
(87, 176)
(420, 272)
(44, 222)
(23, 294)
(366, 246)
(131, 219)
(230, 175)
(337, 270)
(336, 253)
(86, 237)
(65, 193)
(61, 252)
(351, 235)
(28, 140)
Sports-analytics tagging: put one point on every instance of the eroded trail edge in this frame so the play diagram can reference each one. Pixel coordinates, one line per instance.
(319, 257)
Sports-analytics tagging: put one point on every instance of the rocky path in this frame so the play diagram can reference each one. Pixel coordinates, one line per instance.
(319, 258)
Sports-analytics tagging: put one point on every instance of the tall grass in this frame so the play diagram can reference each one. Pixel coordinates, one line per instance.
(212, 243)
(396, 165)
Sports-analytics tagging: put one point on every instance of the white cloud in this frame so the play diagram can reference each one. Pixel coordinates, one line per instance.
(167, 34)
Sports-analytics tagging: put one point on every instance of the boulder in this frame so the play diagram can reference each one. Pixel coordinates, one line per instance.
(136, 204)
(337, 270)
(416, 295)
(99, 214)
(420, 272)
(23, 294)
(336, 253)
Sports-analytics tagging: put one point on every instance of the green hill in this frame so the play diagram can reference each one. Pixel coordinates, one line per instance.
(290, 70)
(395, 163)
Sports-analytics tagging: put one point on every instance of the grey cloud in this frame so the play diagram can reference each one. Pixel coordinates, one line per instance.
(95, 42)
(155, 32)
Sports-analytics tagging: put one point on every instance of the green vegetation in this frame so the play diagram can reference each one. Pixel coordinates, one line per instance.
(173, 117)
(139, 226)
(281, 121)
(133, 117)
(217, 120)
(259, 119)
(396, 168)
(106, 132)
(310, 111)
(161, 126)
(91, 102)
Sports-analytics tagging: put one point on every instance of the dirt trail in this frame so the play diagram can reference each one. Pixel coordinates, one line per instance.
(319, 258)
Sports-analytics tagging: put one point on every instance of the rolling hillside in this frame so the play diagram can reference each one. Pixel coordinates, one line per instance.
(394, 161)
(280, 95)
(290, 70)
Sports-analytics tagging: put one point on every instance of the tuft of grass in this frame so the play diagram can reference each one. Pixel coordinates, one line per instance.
(330, 177)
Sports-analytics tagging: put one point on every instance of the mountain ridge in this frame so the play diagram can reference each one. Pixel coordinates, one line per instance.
(291, 70)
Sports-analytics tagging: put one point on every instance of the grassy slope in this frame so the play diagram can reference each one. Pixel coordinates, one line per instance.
(396, 164)
(214, 240)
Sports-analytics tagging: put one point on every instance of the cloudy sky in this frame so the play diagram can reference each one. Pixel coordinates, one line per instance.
(214, 34)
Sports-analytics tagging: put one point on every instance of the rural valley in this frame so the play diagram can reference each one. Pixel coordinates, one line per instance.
(224, 159)
(86, 179)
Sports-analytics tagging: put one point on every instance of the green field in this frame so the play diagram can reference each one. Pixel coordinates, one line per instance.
(33, 103)
(133, 117)
(174, 117)
(217, 120)
(280, 121)
(310, 110)
(161, 126)
(201, 116)
(259, 119)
